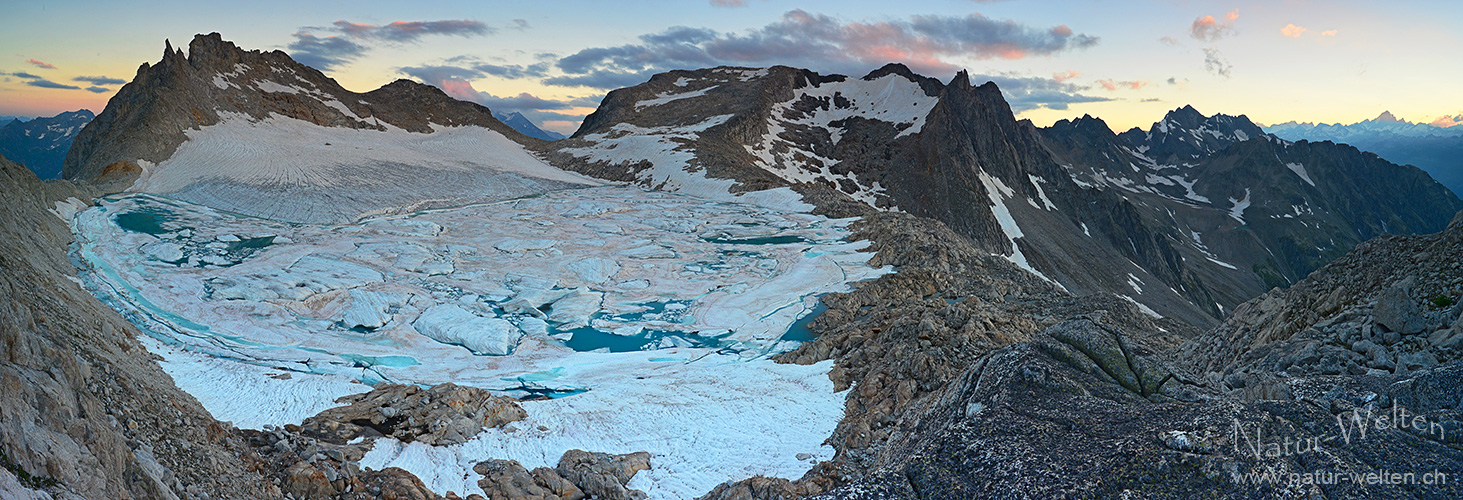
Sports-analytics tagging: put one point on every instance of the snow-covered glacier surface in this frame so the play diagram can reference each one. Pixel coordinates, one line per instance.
(647, 318)
(291, 170)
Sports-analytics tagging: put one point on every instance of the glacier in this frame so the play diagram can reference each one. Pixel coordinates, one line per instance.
(649, 319)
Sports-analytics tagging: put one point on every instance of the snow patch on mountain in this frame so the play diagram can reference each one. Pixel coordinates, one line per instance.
(289, 169)
(998, 193)
(1237, 210)
(1300, 170)
(668, 97)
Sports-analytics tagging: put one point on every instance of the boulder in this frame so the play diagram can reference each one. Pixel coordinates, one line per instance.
(1398, 311)
(445, 414)
(602, 475)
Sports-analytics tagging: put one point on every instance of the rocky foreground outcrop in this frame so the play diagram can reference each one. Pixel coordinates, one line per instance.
(1082, 411)
(442, 415)
(1391, 307)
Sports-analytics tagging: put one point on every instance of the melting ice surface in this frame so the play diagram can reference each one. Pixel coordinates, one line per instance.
(647, 317)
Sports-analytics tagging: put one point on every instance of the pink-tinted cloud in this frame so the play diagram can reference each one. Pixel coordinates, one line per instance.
(1111, 84)
(41, 64)
(1062, 76)
(1328, 33)
(1211, 29)
(925, 43)
(1446, 121)
(1293, 31)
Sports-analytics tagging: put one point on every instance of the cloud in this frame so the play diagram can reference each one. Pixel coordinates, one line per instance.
(324, 53)
(1293, 31)
(728, 3)
(98, 90)
(455, 81)
(803, 39)
(1448, 121)
(1111, 84)
(99, 80)
(1210, 29)
(23, 74)
(474, 70)
(41, 64)
(1168, 40)
(1328, 33)
(518, 24)
(47, 84)
(1215, 63)
(1062, 76)
(1025, 93)
(344, 41)
(410, 31)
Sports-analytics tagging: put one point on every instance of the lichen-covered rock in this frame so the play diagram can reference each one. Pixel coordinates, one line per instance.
(509, 480)
(603, 475)
(444, 414)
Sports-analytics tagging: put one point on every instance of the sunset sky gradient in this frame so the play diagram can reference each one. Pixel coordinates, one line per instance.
(1124, 61)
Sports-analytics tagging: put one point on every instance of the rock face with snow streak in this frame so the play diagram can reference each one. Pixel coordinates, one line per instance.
(852, 146)
(1187, 219)
(225, 127)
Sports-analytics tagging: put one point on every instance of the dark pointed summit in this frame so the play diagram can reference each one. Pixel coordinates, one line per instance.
(961, 80)
(930, 86)
(1187, 117)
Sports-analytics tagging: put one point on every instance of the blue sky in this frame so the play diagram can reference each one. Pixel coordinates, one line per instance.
(1125, 61)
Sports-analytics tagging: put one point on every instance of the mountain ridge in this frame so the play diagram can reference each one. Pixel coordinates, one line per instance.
(42, 143)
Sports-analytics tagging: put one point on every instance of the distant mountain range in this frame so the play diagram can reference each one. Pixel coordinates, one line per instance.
(526, 126)
(41, 144)
(1437, 150)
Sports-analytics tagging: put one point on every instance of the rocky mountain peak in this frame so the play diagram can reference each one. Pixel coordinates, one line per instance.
(931, 86)
(1186, 117)
(1386, 116)
(217, 81)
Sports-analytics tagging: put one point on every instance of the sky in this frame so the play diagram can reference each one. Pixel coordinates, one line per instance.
(1125, 61)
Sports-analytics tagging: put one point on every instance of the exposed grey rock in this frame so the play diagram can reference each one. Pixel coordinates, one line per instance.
(508, 480)
(602, 475)
(444, 414)
(1398, 311)
(83, 404)
(1052, 435)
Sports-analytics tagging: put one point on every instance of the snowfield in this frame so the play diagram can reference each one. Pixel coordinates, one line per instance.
(648, 317)
(291, 170)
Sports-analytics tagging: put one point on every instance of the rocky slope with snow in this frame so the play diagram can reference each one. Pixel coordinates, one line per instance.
(1434, 149)
(889, 141)
(41, 144)
(259, 134)
(1246, 211)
